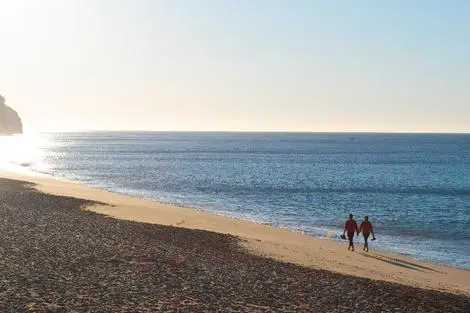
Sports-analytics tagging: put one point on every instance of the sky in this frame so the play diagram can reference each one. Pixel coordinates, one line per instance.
(244, 65)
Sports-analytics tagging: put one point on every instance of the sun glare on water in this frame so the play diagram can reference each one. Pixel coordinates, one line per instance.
(21, 152)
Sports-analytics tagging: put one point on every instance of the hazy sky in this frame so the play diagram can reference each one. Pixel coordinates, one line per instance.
(237, 65)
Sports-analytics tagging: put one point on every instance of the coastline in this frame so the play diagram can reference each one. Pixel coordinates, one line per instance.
(264, 240)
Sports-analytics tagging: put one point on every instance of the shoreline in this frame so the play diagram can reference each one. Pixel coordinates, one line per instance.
(264, 240)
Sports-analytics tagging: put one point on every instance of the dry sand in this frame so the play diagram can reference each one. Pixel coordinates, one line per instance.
(268, 241)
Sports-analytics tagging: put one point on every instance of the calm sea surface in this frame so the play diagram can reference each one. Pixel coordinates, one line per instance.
(415, 188)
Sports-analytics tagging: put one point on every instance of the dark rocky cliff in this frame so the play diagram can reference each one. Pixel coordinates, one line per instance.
(10, 121)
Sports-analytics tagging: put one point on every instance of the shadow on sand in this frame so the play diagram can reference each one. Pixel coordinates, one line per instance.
(401, 263)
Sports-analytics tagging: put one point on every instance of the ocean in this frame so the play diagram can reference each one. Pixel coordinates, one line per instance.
(414, 187)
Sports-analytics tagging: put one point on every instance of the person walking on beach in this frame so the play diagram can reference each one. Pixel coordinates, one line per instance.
(351, 227)
(366, 229)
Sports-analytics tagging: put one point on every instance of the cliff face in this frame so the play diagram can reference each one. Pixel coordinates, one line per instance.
(10, 121)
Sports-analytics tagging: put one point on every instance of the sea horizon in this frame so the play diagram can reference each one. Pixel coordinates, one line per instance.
(30, 132)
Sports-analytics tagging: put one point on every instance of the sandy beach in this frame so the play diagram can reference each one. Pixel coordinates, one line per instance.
(63, 252)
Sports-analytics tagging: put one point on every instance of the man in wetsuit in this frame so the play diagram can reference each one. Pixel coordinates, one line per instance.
(366, 229)
(351, 227)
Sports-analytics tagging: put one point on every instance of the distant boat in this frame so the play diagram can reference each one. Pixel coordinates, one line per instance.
(352, 138)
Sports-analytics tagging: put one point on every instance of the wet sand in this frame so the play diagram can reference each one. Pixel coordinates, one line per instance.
(58, 255)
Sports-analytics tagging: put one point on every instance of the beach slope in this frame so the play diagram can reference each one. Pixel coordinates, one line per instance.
(58, 253)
